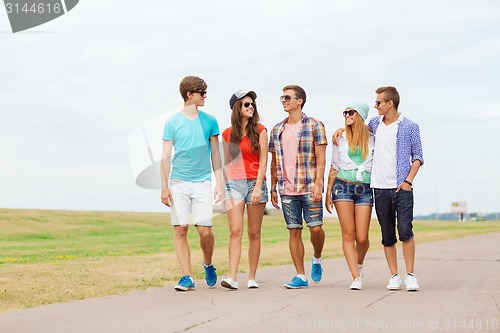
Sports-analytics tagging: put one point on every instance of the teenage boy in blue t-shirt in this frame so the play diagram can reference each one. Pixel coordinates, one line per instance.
(194, 136)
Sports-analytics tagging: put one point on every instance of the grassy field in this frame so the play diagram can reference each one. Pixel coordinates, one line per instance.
(55, 256)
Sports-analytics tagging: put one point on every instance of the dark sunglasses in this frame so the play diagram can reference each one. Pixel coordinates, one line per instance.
(202, 93)
(247, 104)
(377, 103)
(349, 112)
(286, 98)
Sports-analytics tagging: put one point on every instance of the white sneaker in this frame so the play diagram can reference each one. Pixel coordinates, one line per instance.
(394, 282)
(357, 283)
(229, 283)
(411, 282)
(252, 284)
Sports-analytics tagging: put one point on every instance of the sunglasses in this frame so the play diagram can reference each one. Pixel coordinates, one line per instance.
(202, 93)
(377, 103)
(349, 112)
(287, 98)
(247, 104)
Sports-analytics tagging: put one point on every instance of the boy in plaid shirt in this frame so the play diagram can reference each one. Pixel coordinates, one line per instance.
(298, 147)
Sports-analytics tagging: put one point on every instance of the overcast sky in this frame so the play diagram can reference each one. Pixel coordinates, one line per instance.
(74, 89)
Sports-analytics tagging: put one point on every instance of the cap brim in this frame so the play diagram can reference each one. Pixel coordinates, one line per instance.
(234, 98)
(252, 94)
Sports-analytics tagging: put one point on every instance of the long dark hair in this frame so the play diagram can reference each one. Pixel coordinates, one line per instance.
(251, 130)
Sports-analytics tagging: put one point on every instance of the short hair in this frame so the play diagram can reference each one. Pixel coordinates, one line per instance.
(390, 94)
(299, 92)
(191, 84)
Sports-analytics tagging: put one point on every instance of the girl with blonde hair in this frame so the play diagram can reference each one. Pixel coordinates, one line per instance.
(349, 188)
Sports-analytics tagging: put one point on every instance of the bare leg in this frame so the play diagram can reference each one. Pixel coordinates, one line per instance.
(297, 249)
(255, 215)
(391, 257)
(235, 219)
(317, 239)
(362, 216)
(409, 254)
(207, 242)
(345, 212)
(182, 249)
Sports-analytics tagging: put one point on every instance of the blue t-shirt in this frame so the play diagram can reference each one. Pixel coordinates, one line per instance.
(191, 142)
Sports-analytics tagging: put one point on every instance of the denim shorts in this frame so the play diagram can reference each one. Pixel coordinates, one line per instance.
(359, 193)
(296, 206)
(389, 206)
(241, 190)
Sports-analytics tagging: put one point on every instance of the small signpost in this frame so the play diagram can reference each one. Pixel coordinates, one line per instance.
(459, 207)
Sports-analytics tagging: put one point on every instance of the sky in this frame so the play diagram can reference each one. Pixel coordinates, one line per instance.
(72, 91)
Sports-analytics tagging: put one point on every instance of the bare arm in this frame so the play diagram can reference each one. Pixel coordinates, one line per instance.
(166, 196)
(337, 135)
(317, 192)
(329, 188)
(226, 161)
(217, 167)
(274, 181)
(415, 166)
(257, 192)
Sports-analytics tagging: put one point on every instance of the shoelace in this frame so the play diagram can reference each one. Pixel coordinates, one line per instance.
(317, 268)
(211, 272)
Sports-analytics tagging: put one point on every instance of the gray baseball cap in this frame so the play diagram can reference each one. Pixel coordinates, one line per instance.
(239, 95)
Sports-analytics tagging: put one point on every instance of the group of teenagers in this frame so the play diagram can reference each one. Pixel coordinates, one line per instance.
(372, 164)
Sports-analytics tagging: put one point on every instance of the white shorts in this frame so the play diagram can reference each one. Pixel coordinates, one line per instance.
(194, 197)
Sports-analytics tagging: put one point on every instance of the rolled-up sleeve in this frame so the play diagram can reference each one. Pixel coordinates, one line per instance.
(320, 134)
(416, 145)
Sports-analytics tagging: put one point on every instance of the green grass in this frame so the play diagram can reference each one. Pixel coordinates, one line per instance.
(51, 235)
(55, 256)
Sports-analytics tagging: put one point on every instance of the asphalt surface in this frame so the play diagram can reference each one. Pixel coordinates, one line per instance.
(459, 292)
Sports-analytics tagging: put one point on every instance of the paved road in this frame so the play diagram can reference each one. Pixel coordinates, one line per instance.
(460, 292)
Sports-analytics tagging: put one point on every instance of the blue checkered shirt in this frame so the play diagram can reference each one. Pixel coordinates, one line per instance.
(408, 145)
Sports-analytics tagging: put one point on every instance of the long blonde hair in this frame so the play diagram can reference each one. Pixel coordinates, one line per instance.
(358, 134)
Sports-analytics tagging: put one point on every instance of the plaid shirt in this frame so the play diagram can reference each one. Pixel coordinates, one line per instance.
(311, 133)
(408, 145)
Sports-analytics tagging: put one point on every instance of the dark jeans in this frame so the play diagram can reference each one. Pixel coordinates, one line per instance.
(390, 205)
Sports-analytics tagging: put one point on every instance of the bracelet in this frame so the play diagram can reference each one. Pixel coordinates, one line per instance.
(408, 182)
(273, 190)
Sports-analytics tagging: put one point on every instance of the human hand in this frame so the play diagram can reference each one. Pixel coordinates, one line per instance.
(256, 195)
(337, 135)
(329, 203)
(317, 193)
(274, 200)
(218, 193)
(404, 186)
(166, 197)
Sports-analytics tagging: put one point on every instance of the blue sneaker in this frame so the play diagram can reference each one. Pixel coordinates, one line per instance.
(297, 283)
(316, 272)
(185, 284)
(210, 275)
